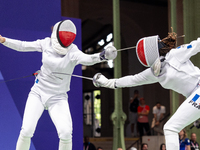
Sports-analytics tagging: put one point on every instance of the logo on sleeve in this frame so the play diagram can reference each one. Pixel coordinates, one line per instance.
(193, 101)
(182, 46)
(189, 46)
(195, 97)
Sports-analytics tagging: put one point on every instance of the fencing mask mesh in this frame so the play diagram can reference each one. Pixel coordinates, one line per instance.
(147, 50)
(66, 33)
(63, 35)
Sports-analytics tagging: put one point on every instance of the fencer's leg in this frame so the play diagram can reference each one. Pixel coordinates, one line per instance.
(32, 113)
(23, 143)
(65, 144)
(188, 112)
(61, 117)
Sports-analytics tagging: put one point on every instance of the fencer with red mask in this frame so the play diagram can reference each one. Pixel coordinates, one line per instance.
(61, 55)
(172, 68)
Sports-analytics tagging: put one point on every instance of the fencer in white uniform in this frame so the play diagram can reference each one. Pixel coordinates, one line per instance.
(173, 71)
(60, 55)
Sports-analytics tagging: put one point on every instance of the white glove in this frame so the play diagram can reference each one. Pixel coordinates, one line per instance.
(109, 53)
(100, 80)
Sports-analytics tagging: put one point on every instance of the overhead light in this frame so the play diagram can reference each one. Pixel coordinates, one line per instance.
(101, 42)
(109, 37)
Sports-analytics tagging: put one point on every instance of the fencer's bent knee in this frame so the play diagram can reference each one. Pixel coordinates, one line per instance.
(168, 130)
(65, 134)
(27, 132)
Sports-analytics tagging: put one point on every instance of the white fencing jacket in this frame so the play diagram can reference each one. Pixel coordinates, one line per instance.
(177, 71)
(49, 84)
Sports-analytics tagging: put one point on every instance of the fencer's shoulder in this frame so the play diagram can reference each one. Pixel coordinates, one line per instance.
(177, 51)
(45, 43)
(178, 54)
(75, 50)
(181, 47)
(174, 53)
(74, 47)
(45, 40)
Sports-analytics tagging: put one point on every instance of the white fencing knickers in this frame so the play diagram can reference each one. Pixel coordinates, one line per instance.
(188, 112)
(59, 112)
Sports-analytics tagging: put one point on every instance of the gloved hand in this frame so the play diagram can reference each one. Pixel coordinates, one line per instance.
(2, 39)
(109, 53)
(100, 80)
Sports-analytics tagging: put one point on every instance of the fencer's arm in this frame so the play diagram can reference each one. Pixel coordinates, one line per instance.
(88, 60)
(23, 46)
(145, 77)
(109, 53)
(184, 52)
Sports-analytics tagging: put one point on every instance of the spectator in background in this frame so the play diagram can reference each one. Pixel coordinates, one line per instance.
(143, 122)
(144, 146)
(119, 149)
(163, 146)
(183, 140)
(134, 103)
(99, 148)
(87, 145)
(133, 148)
(193, 143)
(157, 124)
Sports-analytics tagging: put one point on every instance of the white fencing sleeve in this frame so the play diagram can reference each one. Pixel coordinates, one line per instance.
(23, 46)
(100, 80)
(184, 52)
(145, 77)
(86, 59)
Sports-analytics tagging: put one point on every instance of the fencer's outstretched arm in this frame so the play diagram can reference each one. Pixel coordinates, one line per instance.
(21, 46)
(184, 52)
(142, 78)
(145, 77)
(88, 60)
(109, 53)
